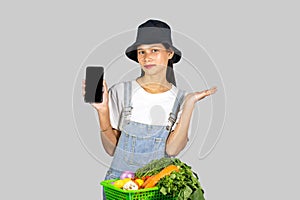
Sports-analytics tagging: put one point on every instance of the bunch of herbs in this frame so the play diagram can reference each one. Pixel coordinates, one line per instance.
(183, 184)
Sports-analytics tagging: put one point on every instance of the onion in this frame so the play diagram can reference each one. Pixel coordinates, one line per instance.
(127, 174)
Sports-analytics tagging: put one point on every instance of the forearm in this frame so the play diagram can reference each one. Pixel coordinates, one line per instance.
(178, 138)
(109, 136)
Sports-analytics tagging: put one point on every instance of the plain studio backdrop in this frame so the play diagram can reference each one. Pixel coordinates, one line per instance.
(46, 152)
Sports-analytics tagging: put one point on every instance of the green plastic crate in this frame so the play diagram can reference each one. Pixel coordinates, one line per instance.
(114, 193)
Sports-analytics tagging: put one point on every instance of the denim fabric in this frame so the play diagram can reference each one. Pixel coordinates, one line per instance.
(137, 146)
(139, 143)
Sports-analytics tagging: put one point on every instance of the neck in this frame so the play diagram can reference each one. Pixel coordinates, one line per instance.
(154, 84)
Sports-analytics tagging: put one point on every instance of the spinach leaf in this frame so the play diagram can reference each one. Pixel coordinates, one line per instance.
(183, 184)
(197, 195)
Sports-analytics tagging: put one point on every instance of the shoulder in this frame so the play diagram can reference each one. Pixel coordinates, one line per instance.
(177, 91)
(119, 87)
(180, 95)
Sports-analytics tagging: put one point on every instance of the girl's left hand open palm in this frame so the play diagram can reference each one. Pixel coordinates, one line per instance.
(197, 96)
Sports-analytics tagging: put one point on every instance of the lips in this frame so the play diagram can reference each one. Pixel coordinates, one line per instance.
(149, 66)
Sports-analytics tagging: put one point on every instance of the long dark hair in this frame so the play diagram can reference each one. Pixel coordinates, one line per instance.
(170, 75)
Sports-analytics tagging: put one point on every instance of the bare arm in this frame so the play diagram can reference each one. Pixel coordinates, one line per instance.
(178, 138)
(109, 136)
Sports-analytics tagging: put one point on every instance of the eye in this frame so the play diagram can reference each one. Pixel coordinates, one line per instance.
(141, 52)
(155, 50)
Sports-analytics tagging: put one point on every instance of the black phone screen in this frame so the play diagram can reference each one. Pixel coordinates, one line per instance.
(94, 84)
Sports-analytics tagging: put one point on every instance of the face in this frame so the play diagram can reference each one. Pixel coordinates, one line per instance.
(153, 58)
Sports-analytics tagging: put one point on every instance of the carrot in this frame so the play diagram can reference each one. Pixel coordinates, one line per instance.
(165, 172)
(147, 181)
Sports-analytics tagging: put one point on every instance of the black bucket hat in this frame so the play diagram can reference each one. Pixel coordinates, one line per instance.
(151, 32)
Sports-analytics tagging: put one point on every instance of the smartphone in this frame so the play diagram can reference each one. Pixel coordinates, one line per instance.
(94, 84)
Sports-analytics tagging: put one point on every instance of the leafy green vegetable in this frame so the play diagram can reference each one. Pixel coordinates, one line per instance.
(197, 195)
(183, 184)
(153, 167)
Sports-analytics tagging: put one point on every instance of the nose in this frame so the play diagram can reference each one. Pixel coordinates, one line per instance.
(147, 56)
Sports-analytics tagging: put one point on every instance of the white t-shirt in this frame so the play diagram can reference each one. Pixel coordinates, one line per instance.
(152, 109)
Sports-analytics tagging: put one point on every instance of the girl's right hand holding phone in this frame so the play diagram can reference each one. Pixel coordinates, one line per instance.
(103, 106)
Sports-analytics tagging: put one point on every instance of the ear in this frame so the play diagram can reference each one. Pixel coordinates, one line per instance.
(170, 54)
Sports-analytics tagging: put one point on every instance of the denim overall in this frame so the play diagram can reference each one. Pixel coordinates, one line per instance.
(140, 143)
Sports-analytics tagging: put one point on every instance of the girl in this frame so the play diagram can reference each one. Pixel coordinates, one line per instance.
(146, 118)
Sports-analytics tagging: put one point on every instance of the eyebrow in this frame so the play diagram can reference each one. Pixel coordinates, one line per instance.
(149, 47)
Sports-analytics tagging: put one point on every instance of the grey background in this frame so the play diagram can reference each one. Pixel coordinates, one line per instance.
(253, 43)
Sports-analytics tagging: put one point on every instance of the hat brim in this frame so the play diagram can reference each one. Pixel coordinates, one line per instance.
(131, 51)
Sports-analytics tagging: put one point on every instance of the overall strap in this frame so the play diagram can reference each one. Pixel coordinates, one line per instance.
(127, 93)
(173, 115)
(126, 111)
